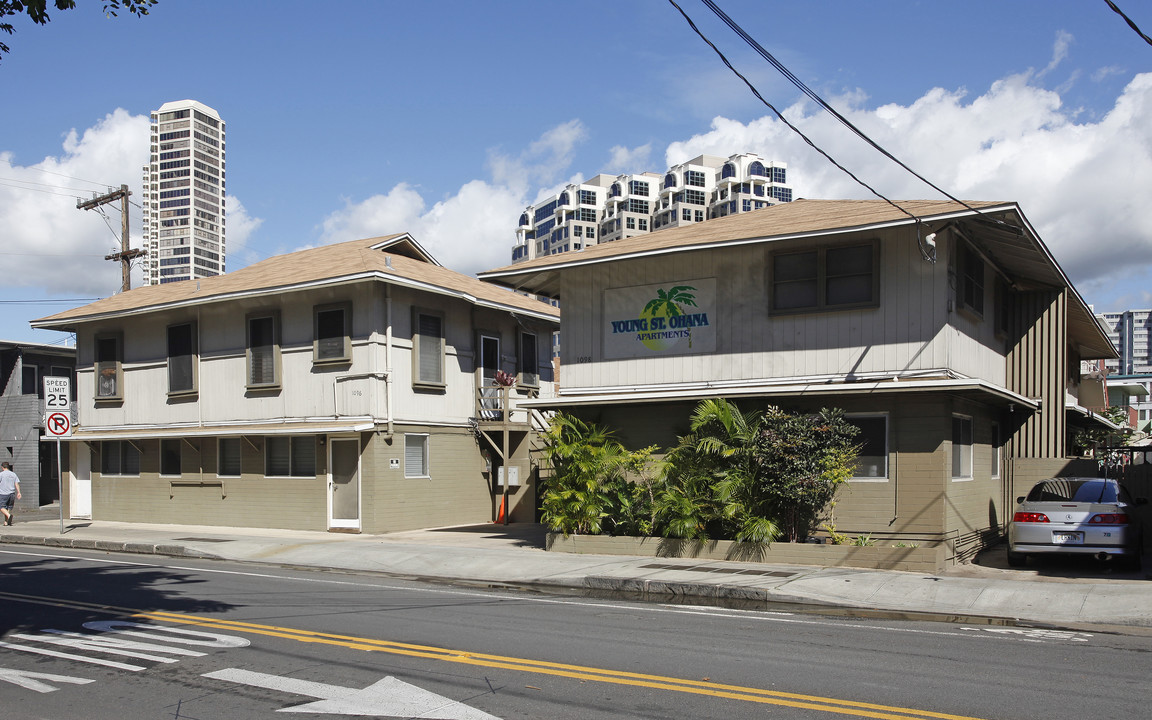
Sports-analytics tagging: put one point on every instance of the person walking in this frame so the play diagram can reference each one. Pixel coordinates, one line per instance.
(9, 491)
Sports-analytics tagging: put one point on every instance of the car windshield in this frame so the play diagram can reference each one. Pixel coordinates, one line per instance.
(1084, 490)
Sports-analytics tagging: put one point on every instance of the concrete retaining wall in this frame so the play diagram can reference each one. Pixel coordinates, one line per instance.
(923, 559)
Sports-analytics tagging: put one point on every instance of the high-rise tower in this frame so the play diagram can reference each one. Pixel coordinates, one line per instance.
(184, 194)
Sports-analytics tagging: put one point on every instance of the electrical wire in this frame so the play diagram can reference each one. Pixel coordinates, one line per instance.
(1129, 21)
(820, 101)
(49, 172)
(783, 119)
(48, 192)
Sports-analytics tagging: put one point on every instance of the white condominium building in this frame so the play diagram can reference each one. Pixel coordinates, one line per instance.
(184, 193)
(613, 207)
(1128, 330)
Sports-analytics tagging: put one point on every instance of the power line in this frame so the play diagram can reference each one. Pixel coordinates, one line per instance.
(71, 194)
(49, 172)
(1129, 21)
(821, 103)
(783, 119)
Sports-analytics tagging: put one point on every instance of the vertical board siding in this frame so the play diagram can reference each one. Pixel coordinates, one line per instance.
(1038, 368)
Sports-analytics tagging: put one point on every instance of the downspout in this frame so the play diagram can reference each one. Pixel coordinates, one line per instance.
(388, 353)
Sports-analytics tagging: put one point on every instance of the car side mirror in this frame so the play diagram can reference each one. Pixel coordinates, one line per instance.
(1019, 499)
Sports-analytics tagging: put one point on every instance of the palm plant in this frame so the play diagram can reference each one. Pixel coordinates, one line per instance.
(712, 478)
(584, 458)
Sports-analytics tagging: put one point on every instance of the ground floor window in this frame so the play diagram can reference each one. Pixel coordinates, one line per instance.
(228, 453)
(961, 447)
(170, 457)
(290, 456)
(872, 462)
(119, 457)
(415, 455)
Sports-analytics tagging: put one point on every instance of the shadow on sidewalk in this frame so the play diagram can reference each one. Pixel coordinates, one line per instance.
(526, 535)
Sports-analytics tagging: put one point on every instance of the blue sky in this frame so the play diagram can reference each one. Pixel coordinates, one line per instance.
(445, 119)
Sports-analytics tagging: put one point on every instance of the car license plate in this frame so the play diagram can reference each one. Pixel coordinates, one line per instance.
(1067, 538)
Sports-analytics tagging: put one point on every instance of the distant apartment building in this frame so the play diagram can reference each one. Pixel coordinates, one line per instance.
(1128, 332)
(614, 207)
(184, 192)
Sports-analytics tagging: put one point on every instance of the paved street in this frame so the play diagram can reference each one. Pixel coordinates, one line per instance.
(125, 635)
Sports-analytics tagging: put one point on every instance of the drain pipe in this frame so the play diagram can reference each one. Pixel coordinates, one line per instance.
(388, 381)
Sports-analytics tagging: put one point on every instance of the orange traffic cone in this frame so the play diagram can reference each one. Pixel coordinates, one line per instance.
(500, 515)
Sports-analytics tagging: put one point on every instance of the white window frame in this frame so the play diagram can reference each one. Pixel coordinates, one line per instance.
(179, 457)
(969, 447)
(292, 470)
(426, 442)
(887, 446)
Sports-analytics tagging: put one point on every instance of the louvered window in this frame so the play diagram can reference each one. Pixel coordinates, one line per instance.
(429, 347)
(263, 351)
(182, 358)
(290, 456)
(415, 456)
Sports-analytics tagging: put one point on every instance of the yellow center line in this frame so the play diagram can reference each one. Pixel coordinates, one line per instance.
(579, 672)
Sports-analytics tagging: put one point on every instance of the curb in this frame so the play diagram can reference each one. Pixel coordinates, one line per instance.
(109, 546)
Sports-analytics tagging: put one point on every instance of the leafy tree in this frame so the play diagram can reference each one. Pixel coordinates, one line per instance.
(801, 461)
(585, 461)
(37, 10)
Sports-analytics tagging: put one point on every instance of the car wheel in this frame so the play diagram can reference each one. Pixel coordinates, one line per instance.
(1016, 559)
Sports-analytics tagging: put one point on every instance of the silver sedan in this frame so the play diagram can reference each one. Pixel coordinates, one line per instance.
(1076, 516)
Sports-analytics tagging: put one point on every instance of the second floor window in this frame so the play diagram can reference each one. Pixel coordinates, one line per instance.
(182, 358)
(825, 279)
(263, 351)
(333, 333)
(529, 360)
(109, 370)
(428, 349)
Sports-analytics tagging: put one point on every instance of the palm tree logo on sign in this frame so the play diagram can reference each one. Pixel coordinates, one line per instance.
(662, 312)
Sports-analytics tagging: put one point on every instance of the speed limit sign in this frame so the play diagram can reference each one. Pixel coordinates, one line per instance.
(57, 394)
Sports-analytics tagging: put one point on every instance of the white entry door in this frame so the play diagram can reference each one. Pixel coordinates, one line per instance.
(80, 482)
(344, 483)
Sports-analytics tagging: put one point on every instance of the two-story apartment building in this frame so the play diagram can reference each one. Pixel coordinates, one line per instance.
(23, 367)
(947, 332)
(347, 387)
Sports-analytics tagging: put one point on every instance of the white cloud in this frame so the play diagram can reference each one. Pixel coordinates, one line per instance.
(48, 242)
(1080, 183)
(630, 160)
(474, 229)
(52, 248)
(240, 226)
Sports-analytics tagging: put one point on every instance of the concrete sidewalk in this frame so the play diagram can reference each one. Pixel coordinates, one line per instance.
(514, 555)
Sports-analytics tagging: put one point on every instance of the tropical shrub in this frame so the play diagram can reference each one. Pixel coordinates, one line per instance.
(588, 491)
(801, 461)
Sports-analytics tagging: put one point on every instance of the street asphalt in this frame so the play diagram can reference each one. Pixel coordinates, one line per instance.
(1054, 592)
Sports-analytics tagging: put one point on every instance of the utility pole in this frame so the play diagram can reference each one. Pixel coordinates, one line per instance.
(126, 254)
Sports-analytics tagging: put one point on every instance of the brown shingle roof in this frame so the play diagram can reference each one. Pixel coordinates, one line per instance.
(786, 219)
(329, 263)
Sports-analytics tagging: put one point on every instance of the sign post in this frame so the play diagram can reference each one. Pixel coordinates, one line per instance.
(58, 424)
